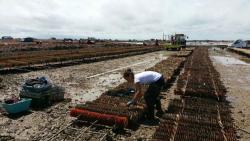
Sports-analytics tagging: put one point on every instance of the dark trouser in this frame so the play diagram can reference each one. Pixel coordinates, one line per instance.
(152, 99)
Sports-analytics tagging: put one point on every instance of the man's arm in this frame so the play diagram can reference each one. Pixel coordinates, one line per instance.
(138, 93)
(137, 96)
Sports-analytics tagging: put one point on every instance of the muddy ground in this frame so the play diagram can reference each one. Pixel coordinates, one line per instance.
(86, 82)
(235, 75)
(82, 83)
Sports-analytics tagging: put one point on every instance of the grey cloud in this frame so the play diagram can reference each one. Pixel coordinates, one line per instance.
(140, 19)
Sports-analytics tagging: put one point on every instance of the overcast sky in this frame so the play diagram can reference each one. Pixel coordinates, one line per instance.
(125, 19)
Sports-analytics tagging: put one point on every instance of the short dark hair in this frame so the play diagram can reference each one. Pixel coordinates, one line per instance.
(128, 72)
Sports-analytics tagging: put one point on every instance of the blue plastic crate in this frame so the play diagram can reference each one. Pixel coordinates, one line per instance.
(20, 106)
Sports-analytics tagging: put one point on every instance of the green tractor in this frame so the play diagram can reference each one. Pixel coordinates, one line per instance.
(177, 42)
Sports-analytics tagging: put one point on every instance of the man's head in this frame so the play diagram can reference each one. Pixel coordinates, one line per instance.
(128, 75)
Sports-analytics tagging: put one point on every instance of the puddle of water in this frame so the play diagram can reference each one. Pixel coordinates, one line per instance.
(229, 60)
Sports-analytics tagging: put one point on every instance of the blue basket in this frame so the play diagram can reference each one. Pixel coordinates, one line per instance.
(18, 107)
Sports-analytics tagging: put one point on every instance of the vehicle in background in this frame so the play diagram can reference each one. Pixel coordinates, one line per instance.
(238, 44)
(179, 39)
(177, 42)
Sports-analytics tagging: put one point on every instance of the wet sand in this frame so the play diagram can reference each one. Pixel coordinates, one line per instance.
(235, 75)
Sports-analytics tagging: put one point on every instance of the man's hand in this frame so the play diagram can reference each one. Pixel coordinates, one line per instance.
(131, 102)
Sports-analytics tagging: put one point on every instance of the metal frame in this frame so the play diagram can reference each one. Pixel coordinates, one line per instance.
(83, 130)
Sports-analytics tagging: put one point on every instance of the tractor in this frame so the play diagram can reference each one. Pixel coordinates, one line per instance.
(177, 42)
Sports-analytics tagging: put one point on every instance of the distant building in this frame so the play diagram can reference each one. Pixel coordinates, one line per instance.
(92, 38)
(248, 43)
(28, 39)
(67, 40)
(7, 38)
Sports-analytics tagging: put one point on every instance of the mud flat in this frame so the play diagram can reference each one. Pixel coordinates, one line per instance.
(228, 60)
(80, 87)
(236, 77)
